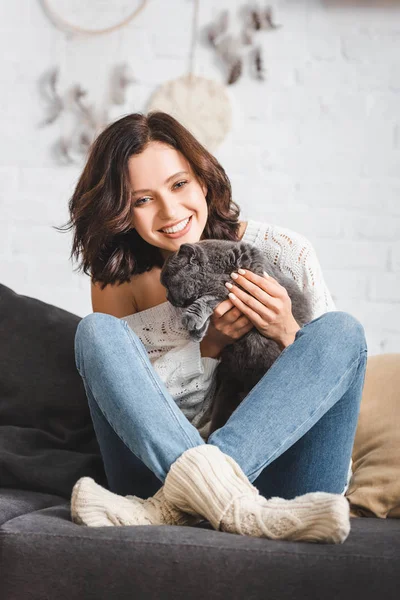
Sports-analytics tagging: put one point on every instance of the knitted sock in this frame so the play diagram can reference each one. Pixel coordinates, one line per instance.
(206, 481)
(162, 512)
(94, 506)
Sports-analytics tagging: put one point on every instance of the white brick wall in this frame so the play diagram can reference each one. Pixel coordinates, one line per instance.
(315, 148)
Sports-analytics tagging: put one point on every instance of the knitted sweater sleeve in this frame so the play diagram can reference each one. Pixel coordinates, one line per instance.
(313, 279)
(296, 257)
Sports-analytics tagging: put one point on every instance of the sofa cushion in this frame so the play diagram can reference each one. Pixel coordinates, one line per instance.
(374, 488)
(44, 553)
(14, 503)
(47, 439)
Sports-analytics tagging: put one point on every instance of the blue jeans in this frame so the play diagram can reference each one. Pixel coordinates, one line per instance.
(292, 434)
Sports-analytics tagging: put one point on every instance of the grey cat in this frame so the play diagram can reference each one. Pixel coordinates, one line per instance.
(195, 278)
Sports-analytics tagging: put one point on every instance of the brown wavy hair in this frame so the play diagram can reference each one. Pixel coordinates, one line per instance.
(100, 208)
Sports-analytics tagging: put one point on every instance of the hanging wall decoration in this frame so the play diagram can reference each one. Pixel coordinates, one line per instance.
(86, 120)
(75, 16)
(231, 49)
(74, 19)
(201, 104)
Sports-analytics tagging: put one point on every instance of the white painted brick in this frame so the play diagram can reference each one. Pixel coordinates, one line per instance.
(396, 137)
(393, 201)
(246, 162)
(16, 12)
(16, 273)
(343, 254)
(292, 108)
(54, 283)
(389, 344)
(8, 187)
(333, 132)
(5, 239)
(322, 162)
(42, 240)
(323, 223)
(262, 195)
(362, 45)
(44, 195)
(379, 162)
(377, 316)
(379, 228)
(346, 283)
(348, 105)
(384, 287)
(367, 196)
(352, 16)
(324, 44)
(382, 105)
(348, 75)
(395, 257)
(25, 54)
(154, 72)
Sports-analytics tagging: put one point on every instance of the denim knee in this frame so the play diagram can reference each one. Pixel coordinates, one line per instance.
(88, 325)
(86, 332)
(343, 326)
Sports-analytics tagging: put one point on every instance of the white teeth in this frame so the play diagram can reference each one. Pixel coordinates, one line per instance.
(177, 228)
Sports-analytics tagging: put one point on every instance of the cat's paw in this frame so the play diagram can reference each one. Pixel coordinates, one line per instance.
(196, 335)
(191, 321)
(197, 330)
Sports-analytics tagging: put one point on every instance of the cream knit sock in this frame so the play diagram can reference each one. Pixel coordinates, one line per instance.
(206, 481)
(94, 506)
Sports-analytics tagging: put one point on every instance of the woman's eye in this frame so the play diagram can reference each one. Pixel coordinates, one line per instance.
(180, 182)
(140, 200)
(146, 197)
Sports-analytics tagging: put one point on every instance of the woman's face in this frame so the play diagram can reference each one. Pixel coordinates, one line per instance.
(164, 202)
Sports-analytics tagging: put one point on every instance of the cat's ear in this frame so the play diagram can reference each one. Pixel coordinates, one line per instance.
(190, 253)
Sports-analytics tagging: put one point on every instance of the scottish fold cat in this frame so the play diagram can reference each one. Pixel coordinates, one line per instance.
(195, 278)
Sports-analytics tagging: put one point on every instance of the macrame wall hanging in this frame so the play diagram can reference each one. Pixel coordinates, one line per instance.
(200, 104)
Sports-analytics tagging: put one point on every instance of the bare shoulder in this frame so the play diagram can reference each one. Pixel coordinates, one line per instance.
(114, 299)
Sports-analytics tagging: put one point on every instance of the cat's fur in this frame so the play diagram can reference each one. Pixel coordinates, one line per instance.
(195, 278)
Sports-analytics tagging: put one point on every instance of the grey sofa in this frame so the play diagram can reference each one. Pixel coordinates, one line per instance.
(47, 442)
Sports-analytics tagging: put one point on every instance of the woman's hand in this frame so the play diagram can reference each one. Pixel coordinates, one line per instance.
(227, 324)
(266, 304)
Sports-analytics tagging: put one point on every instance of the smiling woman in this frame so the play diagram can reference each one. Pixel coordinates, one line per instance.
(145, 173)
(175, 208)
(147, 188)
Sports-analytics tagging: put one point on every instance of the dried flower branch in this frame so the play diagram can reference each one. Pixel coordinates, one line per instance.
(86, 112)
(229, 48)
(256, 19)
(218, 28)
(70, 148)
(247, 38)
(268, 19)
(236, 71)
(121, 78)
(60, 151)
(48, 91)
(258, 64)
